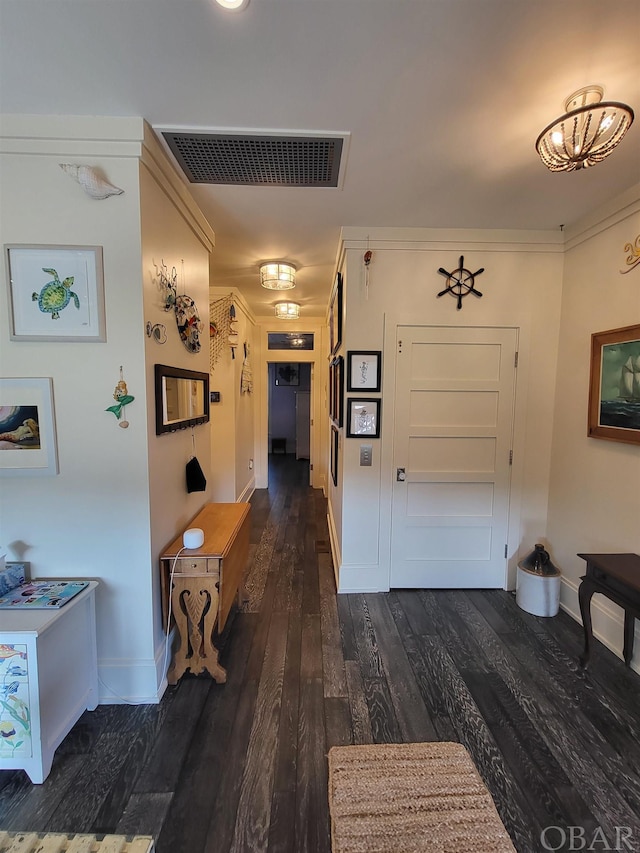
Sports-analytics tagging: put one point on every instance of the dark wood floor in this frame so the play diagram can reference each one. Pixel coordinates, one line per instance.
(242, 766)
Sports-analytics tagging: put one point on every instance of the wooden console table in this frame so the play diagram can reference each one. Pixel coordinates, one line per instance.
(618, 577)
(206, 581)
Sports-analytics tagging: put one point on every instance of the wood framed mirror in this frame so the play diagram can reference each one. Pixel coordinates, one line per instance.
(182, 398)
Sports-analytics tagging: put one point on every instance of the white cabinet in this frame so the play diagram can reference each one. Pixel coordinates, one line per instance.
(48, 678)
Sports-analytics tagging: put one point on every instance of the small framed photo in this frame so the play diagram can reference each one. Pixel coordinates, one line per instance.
(287, 374)
(614, 387)
(335, 316)
(27, 428)
(364, 370)
(56, 293)
(363, 417)
(335, 449)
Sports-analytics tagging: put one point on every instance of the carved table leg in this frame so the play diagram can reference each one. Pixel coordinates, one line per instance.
(585, 591)
(194, 602)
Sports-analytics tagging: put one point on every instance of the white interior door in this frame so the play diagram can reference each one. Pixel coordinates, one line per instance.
(454, 414)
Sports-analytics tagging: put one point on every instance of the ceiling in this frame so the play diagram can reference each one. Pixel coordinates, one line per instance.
(442, 101)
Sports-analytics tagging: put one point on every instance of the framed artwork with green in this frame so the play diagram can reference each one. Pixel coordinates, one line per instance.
(614, 387)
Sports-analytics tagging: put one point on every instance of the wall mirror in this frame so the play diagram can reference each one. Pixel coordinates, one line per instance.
(182, 398)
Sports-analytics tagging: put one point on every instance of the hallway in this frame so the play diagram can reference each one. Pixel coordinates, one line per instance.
(242, 766)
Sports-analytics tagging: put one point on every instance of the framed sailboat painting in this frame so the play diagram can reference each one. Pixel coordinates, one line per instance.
(614, 388)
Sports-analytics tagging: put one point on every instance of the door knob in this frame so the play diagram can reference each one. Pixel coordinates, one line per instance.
(401, 475)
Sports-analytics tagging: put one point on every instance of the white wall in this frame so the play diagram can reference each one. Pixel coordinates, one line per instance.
(522, 289)
(594, 499)
(94, 519)
(233, 418)
(173, 232)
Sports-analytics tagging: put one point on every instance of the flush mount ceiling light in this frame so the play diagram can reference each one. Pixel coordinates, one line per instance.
(586, 134)
(233, 4)
(287, 310)
(277, 276)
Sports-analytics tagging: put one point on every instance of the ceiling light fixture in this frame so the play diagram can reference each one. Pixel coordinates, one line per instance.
(278, 276)
(586, 134)
(235, 5)
(287, 310)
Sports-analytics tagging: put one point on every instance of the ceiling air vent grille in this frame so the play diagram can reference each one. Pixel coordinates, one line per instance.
(256, 160)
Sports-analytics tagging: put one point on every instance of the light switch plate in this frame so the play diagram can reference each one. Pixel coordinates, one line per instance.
(366, 455)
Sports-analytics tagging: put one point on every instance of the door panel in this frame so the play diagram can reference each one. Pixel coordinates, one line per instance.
(454, 411)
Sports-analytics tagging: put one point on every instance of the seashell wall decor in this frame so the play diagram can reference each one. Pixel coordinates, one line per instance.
(91, 182)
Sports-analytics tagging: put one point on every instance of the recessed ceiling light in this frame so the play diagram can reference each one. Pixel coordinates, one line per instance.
(236, 5)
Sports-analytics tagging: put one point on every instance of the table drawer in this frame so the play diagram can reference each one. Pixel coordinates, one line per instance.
(617, 587)
(198, 566)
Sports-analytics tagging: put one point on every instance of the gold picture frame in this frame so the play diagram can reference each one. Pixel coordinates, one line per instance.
(614, 385)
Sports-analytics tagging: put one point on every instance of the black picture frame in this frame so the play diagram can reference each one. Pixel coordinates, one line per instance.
(336, 390)
(363, 417)
(335, 316)
(335, 450)
(287, 374)
(364, 370)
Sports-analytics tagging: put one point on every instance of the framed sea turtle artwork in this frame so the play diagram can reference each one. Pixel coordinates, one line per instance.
(56, 293)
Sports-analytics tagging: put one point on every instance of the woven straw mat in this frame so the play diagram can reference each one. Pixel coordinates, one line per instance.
(411, 798)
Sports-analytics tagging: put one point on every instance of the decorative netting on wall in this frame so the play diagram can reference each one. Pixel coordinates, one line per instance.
(221, 315)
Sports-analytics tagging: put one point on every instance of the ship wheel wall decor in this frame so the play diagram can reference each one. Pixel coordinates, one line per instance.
(460, 282)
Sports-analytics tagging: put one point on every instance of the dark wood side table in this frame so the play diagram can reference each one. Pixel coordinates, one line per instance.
(618, 577)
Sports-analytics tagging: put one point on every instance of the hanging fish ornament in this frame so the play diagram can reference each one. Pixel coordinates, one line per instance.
(91, 181)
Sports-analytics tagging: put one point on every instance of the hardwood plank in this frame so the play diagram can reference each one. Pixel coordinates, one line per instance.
(563, 732)
(220, 737)
(312, 808)
(334, 678)
(27, 806)
(311, 661)
(410, 710)
(360, 719)
(384, 725)
(161, 770)
(337, 715)
(366, 643)
(254, 807)
(144, 814)
(220, 814)
(283, 818)
(473, 732)
(86, 793)
(195, 792)
(416, 617)
(347, 633)
(432, 697)
(285, 779)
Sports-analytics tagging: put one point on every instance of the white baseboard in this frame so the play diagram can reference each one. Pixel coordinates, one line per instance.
(134, 682)
(336, 556)
(363, 579)
(248, 490)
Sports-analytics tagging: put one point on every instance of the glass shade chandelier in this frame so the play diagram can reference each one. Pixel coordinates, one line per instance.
(287, 310)
(587, 133)
(278, 276)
